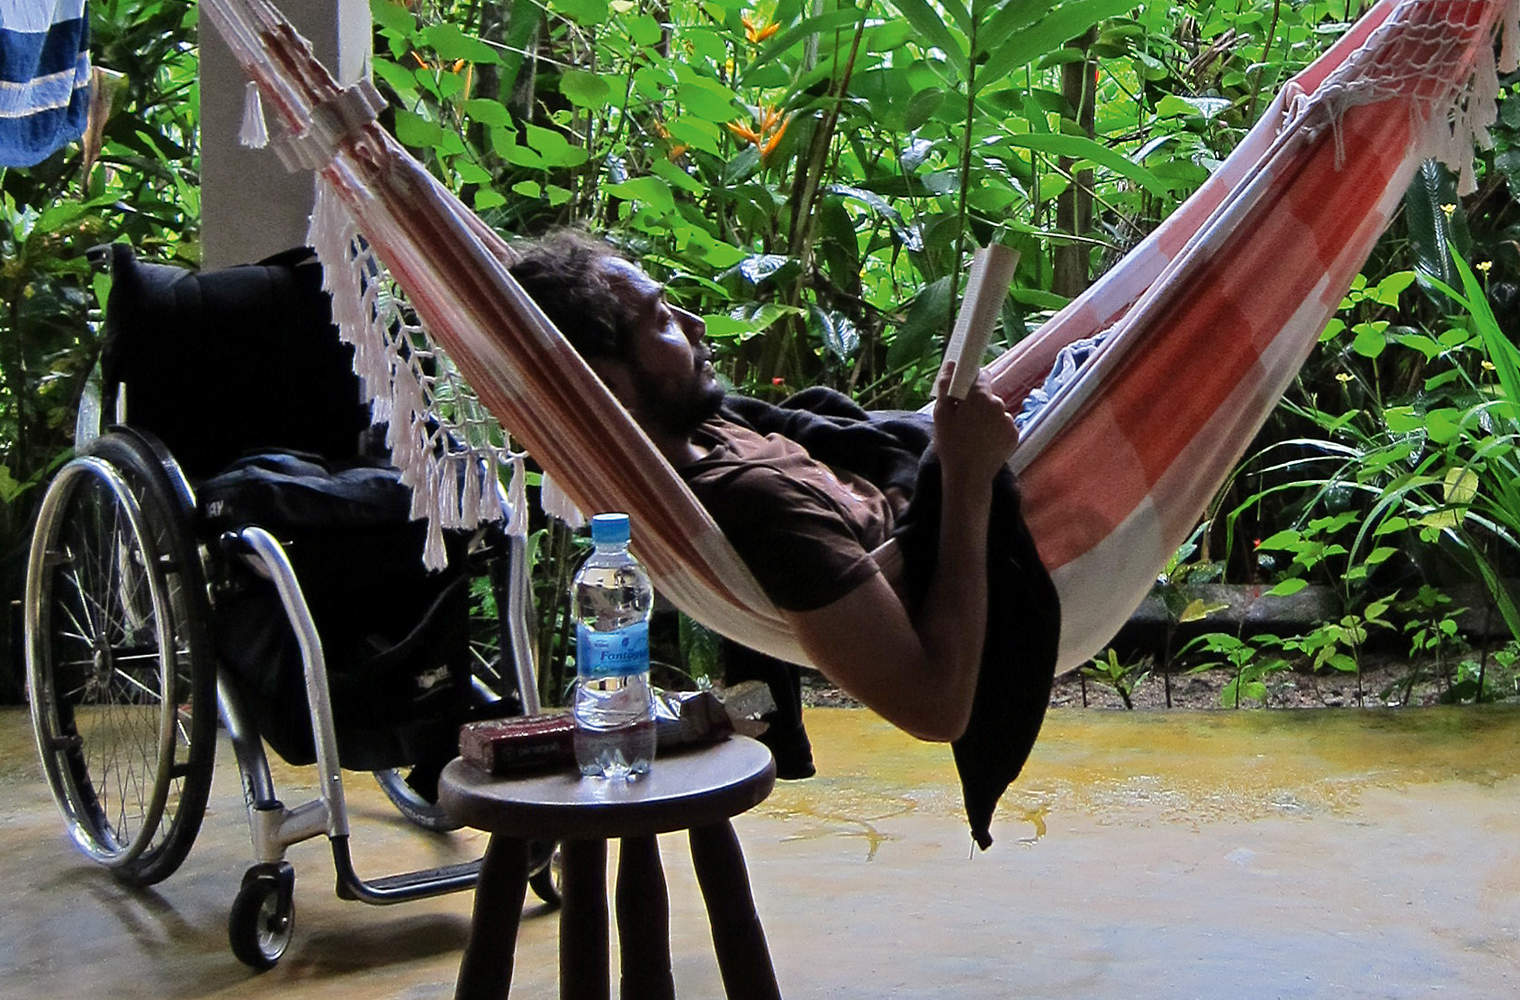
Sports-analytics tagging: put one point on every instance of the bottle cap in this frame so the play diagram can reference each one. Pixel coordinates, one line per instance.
(609, 529)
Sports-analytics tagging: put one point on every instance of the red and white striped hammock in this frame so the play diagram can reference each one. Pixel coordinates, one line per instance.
(1210, 317)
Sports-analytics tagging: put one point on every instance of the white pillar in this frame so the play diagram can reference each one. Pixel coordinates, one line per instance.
(250, 206)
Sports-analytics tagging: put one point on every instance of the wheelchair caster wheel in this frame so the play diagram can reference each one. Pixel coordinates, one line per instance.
(546, 871)
(263, 915)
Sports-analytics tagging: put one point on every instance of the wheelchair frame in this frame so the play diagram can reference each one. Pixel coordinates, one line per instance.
(137, 475)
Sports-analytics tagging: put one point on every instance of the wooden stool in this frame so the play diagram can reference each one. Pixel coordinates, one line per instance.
(695, 790)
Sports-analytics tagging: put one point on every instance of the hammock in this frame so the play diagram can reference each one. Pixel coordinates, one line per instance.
(1209, 318)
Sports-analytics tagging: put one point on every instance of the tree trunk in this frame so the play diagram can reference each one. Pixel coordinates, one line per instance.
(1074, 205)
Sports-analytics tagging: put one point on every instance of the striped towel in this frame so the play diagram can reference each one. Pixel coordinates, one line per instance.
(44, 77)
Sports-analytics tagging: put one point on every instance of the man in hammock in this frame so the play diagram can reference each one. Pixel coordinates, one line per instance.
(807, 490)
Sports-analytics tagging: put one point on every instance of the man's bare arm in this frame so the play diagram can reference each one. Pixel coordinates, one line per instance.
(920, 672)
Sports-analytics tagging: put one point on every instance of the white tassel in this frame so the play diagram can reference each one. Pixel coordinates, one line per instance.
(449, 470)
(556, 504)
(491, 492)
(517, 498)
(434, 555)
(469, 504)
(424, 482)
(254, 133)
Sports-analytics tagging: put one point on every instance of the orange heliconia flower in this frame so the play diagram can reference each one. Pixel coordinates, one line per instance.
(744, 132)
(768, 130)
(775, 139)
(758, 31)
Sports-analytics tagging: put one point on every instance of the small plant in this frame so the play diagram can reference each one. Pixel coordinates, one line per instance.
(1122, 677)
(1338, 645)
(1431, 624)
(1177, 586)
(1251, 662)
(1476, 682)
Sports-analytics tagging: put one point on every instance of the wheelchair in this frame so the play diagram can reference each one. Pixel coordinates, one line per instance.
(225, 549)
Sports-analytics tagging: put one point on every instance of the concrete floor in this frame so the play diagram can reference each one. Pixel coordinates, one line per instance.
(1221, 855)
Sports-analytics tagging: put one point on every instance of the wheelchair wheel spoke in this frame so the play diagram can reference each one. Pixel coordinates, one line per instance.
(135, 684)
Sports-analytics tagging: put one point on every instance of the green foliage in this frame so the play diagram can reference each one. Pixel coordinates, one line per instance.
(134, 180)
(811, 176)
(1250, 661)
(1122, 677)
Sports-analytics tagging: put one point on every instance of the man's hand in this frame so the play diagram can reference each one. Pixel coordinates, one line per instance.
(919, 669)
(974, 436)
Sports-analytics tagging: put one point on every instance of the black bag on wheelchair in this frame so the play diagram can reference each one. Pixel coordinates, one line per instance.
(242, 376)
(395, 637)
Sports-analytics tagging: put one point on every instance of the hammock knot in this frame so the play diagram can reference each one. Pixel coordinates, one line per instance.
(332, 121)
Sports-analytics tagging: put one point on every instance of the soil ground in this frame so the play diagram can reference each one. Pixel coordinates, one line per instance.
(1384, 682)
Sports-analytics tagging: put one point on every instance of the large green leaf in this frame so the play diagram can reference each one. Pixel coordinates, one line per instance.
(586, 90)
(926, 317)
(926, 21)
(653, 192)
(1083, 148)
(1054, 30)
(451, 43)
(390, 15)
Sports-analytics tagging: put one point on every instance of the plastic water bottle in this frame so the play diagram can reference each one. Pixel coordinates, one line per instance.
(613, 706)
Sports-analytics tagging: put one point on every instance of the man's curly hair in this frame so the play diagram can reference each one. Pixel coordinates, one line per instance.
(562, 273)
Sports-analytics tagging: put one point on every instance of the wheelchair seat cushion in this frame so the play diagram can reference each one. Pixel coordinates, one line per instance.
(219, 363)
(287, 491)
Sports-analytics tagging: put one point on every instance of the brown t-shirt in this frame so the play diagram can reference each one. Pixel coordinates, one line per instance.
(805, 530)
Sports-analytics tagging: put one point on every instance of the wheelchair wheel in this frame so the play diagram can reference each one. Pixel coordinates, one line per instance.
(263, 915)
(118, 670)
(416, 807)
(546, 871)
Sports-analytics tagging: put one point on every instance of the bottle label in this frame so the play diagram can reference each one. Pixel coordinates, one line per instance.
(621, 653)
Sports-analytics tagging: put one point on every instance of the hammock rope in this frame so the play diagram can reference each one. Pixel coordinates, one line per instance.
(1209, 318)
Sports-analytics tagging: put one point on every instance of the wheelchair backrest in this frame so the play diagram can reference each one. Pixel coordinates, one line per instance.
(221, 363)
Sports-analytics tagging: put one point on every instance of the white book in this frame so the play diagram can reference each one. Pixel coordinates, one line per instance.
(992, 270)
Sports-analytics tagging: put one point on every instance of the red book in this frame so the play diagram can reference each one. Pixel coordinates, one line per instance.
(519, 745)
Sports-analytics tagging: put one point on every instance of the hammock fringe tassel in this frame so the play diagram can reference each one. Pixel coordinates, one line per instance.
(254, 134)
(434, 426)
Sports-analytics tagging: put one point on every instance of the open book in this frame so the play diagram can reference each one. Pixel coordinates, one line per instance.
(991, 275)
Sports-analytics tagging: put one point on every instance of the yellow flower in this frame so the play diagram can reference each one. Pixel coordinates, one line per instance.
(1488, 365)
(1342, 377)
(1485, 266)
(1448, 209)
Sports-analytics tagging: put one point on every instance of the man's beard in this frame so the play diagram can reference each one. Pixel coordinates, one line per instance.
(681, 413)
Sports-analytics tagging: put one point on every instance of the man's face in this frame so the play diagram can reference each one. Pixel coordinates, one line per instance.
(668, 360)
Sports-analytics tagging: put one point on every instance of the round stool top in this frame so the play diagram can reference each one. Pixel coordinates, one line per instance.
(684, 788)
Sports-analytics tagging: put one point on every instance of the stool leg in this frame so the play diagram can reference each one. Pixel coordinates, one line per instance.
(739, 940)
(486, 971)
(583, 967)
(643, 919)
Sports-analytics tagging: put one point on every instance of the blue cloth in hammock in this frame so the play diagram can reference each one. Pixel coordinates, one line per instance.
(44, 78)
(1069, 362)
